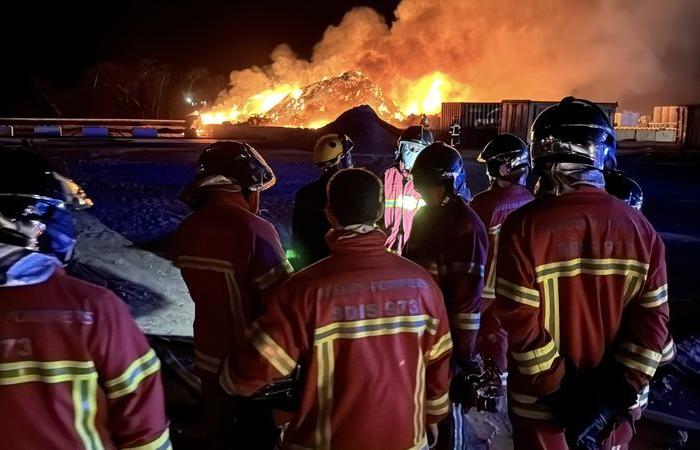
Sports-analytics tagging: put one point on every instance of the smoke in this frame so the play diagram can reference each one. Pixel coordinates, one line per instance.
(636, 52)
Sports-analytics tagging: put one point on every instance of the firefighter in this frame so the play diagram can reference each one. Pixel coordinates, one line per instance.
(401, 200)
(309, 224)
(231, 260)
(75, 370)
(507, 160)
(580, 290)
(369, 330)
(450, 241)
(455, 132)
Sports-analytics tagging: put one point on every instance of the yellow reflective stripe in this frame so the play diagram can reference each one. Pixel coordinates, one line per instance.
(376, 327)
(407, 202)
(84, 394)
(326, 369)
(654, 298)
(528, 406)
(132, 377)
(538, 360)
(606, 266)
(439, 406)
(45, 371)
(533, 354)
(201, 263)
(83, 379)
(636, 365)
(274, 275)
(443, 345)
(520, 294)
(668, 352)
(162, 442)
(418, 399)
(645, 352)
(531, 413)
(271, 351)
(468, 321)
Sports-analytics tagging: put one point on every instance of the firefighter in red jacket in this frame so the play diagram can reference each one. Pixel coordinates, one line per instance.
(450, 241)
(401, 200)
(309, 223)
(581, 291)
(230, 259)
(368, 329)
(507, 160)
(75, 370)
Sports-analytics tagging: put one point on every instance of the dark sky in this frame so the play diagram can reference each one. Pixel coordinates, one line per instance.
(55, 42)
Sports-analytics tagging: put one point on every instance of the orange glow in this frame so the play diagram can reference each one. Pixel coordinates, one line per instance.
(275, 106)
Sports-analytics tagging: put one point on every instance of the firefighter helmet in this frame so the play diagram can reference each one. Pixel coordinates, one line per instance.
(411, 142)
(504, 154)
(35, 204)
(619, 185)
(333, 150)
(440, 165)
(235, 163)
(574, 131)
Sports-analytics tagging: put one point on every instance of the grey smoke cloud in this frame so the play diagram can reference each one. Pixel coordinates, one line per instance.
(637, 52)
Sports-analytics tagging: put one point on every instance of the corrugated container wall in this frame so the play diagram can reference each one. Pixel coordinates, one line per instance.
(479, 122)
(690, 126)
(518, 115)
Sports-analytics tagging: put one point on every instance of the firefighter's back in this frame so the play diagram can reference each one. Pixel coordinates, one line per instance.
(73, 366)
(376, 319)
(214, 249)
(591, 255)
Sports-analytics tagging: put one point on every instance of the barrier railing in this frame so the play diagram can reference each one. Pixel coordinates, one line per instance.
(89, 127)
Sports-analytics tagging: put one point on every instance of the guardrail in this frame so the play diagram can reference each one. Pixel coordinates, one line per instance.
(92, 128)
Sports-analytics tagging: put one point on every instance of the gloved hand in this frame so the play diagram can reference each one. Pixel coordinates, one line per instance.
(589, 406)
(462, 389)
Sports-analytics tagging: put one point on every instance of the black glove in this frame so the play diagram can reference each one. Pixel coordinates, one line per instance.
(462, 389)
(589, 406)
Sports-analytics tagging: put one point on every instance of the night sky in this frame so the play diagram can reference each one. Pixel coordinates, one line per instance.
(54, 43)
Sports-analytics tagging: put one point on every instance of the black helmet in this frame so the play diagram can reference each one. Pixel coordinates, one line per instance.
(238, 164)
(35, 204)
(411, 142)
(576, 131)
(505, 150)
(619, 185)
(440, 165)
(417, 134)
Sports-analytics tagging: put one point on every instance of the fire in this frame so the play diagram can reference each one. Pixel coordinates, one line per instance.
(289, 105)
(256, 105)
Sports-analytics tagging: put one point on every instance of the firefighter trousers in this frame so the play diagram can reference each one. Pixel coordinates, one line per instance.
(532, 434)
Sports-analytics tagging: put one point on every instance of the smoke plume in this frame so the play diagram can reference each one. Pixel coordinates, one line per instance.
(636, 52)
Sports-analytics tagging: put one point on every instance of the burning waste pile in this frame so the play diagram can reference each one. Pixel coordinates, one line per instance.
(466, 50)
(319, 103)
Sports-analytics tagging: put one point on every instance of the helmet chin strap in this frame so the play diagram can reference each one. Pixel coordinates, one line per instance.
(561, 178)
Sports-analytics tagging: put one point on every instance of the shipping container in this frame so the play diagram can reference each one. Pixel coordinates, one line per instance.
(517, 116)
(479, 122)
(689, 126)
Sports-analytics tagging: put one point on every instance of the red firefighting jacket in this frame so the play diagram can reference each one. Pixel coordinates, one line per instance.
(370, 332)
(450, 241)
(401, 202)
(228, 257)
(580, 276)
(75, 371)
(493, 206)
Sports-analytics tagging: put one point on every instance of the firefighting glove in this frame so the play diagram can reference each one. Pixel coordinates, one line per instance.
(606, 397)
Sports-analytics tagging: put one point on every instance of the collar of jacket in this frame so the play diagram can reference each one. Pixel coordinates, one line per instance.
(356, 239)
(21, 267)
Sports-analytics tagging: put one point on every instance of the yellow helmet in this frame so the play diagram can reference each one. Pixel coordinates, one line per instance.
(333, 150)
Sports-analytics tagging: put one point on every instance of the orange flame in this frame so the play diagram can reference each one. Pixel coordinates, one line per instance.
(424, 96)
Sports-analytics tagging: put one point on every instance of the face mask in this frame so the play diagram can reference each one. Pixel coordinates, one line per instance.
(409, 152)
(59, 238)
